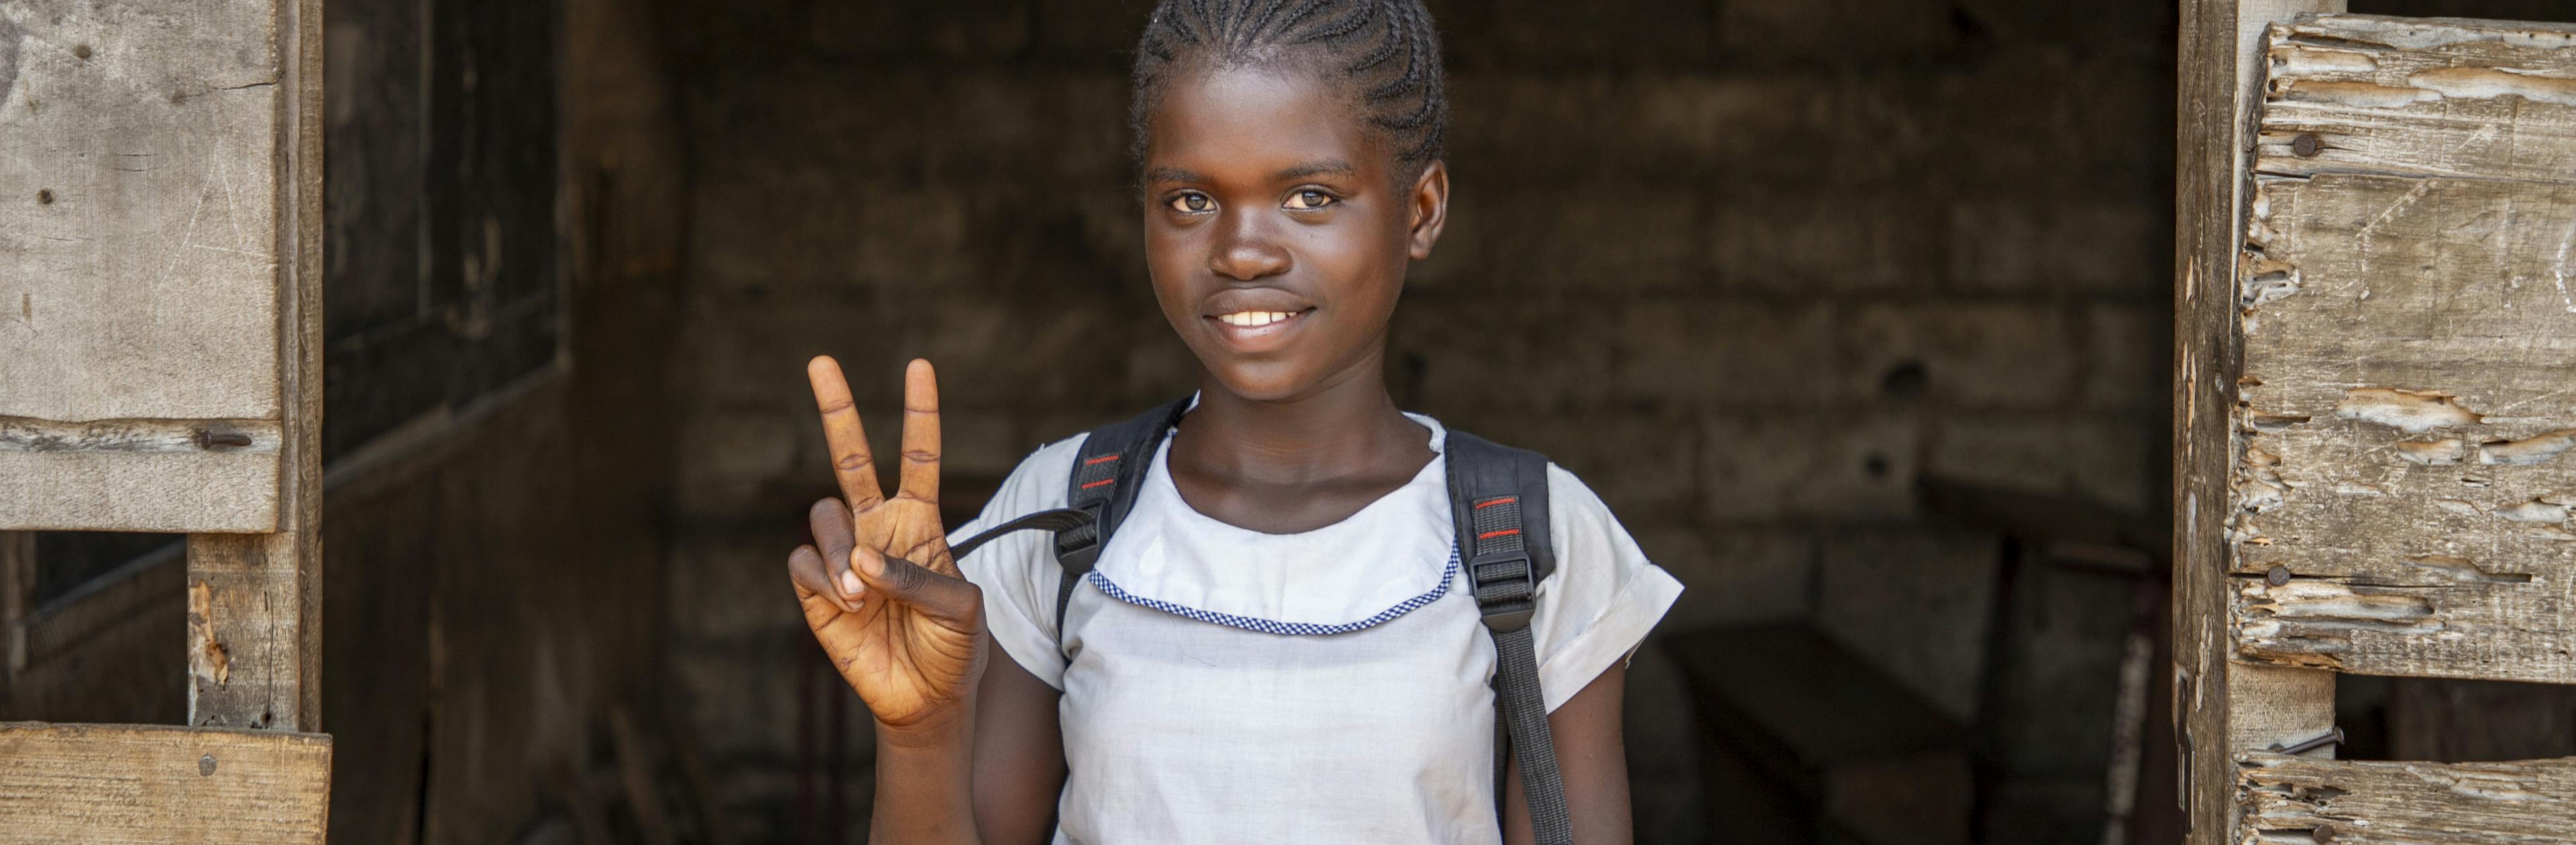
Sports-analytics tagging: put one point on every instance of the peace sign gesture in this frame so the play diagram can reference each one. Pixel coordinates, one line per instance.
(882, 594)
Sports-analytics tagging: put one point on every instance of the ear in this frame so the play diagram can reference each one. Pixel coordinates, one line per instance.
(1429, 201)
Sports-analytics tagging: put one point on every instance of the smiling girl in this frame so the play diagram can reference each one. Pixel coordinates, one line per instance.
(1278, 640)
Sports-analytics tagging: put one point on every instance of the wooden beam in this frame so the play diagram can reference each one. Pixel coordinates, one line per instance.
(2410, 324)
(139, 265)
(255, 600)
(2221, 707)
(116, 784)
(2296, 799)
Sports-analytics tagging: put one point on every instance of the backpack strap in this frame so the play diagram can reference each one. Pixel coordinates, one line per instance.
(1103, 485)
(1498, 496)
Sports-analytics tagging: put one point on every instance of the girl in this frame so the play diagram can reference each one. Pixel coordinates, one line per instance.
(1277, 642)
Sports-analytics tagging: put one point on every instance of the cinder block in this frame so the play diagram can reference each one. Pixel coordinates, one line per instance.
(2129, 357)
(1733, 574)
(2127, 29)
(1833, 32)
(742, 697)
(1486, 353)
(1729, 354)
(1643, 33)
(1827, 244)
(1600, 235)
(2099, 457)
(734, 586)
(1644, 466)
(1916, 602)
(1775, 465)
(727, 458)
(2054, 244)
(967, 30)
(1087, 31)
(1685, 132)
(1972, 354)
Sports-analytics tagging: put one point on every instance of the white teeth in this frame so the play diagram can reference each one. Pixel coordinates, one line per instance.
(1249, 319)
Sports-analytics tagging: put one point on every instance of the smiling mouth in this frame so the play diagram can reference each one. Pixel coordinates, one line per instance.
(1258, 319)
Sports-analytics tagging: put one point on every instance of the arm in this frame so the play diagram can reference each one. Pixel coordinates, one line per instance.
(1006, 764)
(1019, 756)
(1593, 761)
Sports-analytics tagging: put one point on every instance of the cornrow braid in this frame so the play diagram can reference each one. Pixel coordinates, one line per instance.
(1386, 50)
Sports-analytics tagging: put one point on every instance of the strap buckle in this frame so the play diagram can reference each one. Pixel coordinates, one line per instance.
(1504, 589)
(1081, 543)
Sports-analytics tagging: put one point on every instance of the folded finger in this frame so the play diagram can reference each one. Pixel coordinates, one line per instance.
(852, 465)
(806, 569)
(942, 596)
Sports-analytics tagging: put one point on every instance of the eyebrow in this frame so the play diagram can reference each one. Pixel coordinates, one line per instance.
(1319, 167)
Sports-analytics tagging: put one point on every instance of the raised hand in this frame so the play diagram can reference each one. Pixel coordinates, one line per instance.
(882, 594)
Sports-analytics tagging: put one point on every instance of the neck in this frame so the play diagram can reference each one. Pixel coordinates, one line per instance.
(1338, 429)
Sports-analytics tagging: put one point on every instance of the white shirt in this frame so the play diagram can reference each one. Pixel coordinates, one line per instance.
(1331, 685)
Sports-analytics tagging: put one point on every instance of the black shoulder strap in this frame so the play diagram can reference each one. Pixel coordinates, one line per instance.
(1498, 495)
(1103, 484)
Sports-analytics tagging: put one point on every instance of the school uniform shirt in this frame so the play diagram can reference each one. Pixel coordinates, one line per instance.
(1227, 685)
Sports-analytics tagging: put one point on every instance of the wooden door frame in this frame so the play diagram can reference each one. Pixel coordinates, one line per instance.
(2221, 707)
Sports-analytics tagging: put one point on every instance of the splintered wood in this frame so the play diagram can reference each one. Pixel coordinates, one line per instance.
(139, 783)
(142, 206)
(2298, 799)
(2401, 501)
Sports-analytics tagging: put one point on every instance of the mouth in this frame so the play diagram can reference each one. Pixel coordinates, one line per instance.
(1257, 330)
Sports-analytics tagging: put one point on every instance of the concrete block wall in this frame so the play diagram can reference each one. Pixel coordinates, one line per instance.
(1749, 267)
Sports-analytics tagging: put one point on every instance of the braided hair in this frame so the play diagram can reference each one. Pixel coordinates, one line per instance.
(1385, 50)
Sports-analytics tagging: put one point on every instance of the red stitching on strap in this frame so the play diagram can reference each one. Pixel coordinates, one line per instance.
(1493, 534)
(1100, 460)
(1492, 502)
(1100, 482)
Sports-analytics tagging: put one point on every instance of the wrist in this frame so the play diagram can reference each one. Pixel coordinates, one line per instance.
(938, 733)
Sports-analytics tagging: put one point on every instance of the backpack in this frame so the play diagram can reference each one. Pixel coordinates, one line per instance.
(1491, 487)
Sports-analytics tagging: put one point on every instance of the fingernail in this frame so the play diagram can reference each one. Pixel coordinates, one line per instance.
(849, 583)
(868, 559)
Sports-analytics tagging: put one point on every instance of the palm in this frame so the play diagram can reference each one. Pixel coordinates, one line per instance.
(908, 662)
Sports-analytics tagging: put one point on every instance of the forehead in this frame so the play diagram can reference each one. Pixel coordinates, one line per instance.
(1255, 118)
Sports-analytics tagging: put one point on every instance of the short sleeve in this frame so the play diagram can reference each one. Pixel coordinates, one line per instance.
(1603, 597)
(1017, 571)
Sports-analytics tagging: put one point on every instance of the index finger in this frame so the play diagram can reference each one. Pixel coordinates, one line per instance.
(920, 433)
(852, 465)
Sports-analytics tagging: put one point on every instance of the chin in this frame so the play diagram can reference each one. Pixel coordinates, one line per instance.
(1262, 381)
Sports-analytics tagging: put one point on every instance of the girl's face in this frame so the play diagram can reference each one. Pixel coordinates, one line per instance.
(1275, 230)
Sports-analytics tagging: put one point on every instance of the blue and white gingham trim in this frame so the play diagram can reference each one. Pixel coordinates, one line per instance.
(1266, 626)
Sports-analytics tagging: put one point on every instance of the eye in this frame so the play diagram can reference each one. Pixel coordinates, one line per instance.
(1309, 200)
(1192, 203)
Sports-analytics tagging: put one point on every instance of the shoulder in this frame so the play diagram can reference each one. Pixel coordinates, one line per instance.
(1036, 484)
(1576, 512)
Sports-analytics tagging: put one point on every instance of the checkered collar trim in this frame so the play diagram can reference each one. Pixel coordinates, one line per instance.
(1448, 575)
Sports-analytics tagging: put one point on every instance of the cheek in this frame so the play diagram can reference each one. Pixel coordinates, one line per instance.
(1365, 265)
(1167, 267)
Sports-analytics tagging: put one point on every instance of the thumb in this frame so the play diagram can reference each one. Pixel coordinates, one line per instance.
(945, 597)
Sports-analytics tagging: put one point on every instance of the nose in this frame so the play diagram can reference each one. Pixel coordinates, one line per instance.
(1245, 253)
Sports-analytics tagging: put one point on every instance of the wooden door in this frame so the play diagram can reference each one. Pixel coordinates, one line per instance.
(160, 245)
(2376, 423)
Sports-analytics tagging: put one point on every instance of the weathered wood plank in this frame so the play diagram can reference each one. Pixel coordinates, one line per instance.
(255, 600)
(139, 475)
(2409, 416)
(139, 269)
(2220, 706)
(151, 784)
(2298, 799)
(2420, 97)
